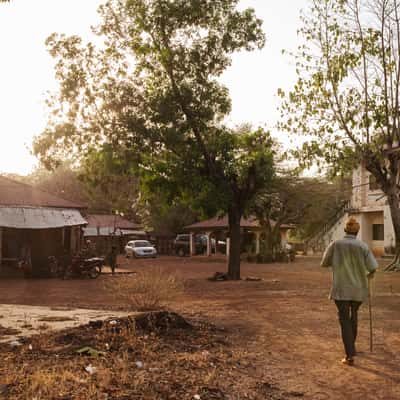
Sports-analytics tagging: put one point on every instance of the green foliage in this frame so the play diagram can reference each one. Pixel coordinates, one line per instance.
(345, 95)
(247, 161)
(153, 86)
(321, 200)
(346, 99)
(111, 181)
(152, 89)
(165, 218)
(305, 203)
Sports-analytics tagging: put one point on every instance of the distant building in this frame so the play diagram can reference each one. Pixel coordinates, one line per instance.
(37, 223)
(368, 204)
(103, 230)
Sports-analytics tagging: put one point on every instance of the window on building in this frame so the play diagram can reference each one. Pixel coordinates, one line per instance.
(377, 232)
(373, 184)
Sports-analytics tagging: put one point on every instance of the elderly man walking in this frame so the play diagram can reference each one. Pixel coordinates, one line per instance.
(353, 264)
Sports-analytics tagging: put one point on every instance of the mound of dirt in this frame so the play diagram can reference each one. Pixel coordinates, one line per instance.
(161, 321)
(155, 321)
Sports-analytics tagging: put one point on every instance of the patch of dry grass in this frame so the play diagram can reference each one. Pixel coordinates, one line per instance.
(147, 290)
(42, 383)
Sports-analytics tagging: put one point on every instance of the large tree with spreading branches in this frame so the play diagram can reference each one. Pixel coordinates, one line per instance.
(346, 99)
(150, 90)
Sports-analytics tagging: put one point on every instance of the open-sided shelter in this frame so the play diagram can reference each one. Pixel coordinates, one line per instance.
(218, 228)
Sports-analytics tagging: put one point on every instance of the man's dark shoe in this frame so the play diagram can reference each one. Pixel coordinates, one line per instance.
(348, 361)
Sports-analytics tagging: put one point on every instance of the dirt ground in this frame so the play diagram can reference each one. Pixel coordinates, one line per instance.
(283, 326)
(23, 320)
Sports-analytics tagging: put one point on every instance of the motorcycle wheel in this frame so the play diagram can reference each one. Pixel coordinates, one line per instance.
(94, 272)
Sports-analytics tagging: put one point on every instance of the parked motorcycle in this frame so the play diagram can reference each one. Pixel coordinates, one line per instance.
(85, 267)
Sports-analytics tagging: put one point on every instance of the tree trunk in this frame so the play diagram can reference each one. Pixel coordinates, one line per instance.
(276, 240)
(269, 245)
(234, 217)
(395, 214)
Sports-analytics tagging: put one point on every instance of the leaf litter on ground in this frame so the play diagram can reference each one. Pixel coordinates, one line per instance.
(158, 355)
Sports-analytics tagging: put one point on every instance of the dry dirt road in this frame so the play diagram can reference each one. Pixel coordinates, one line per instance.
(284, 325)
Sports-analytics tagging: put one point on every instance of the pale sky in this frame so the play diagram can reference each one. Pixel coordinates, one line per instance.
(26, 70)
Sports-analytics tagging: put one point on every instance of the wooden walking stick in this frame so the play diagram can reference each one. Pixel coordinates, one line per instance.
(370, 316)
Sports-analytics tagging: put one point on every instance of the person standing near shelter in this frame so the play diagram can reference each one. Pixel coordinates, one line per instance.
(25, 260)
(112, 258)
(353, 264)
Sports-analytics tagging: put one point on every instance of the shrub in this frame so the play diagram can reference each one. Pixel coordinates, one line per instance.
(147, 290)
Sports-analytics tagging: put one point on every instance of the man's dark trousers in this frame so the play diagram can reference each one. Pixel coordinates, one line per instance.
(347, 311)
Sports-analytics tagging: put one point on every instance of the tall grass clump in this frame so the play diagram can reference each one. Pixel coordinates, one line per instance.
(147, 290)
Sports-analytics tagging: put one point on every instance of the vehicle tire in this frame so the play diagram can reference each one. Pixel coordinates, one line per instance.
(94, 272)
(181, 252)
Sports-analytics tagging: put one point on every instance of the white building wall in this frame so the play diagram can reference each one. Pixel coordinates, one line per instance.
(388, 228)
(369, 207)
(362, 195)
(365, 233)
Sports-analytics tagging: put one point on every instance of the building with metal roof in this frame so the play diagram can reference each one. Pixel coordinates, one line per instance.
(36, 224)
(105, 230)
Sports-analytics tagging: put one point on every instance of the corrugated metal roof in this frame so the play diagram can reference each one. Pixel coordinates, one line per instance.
(101, 231)
(13, 193)
(110, 220)
(39, 218)
(132, 232)
(108, 231)
(219, 223)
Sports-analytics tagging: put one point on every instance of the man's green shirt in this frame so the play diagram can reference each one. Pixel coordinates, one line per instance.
(351, 261)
